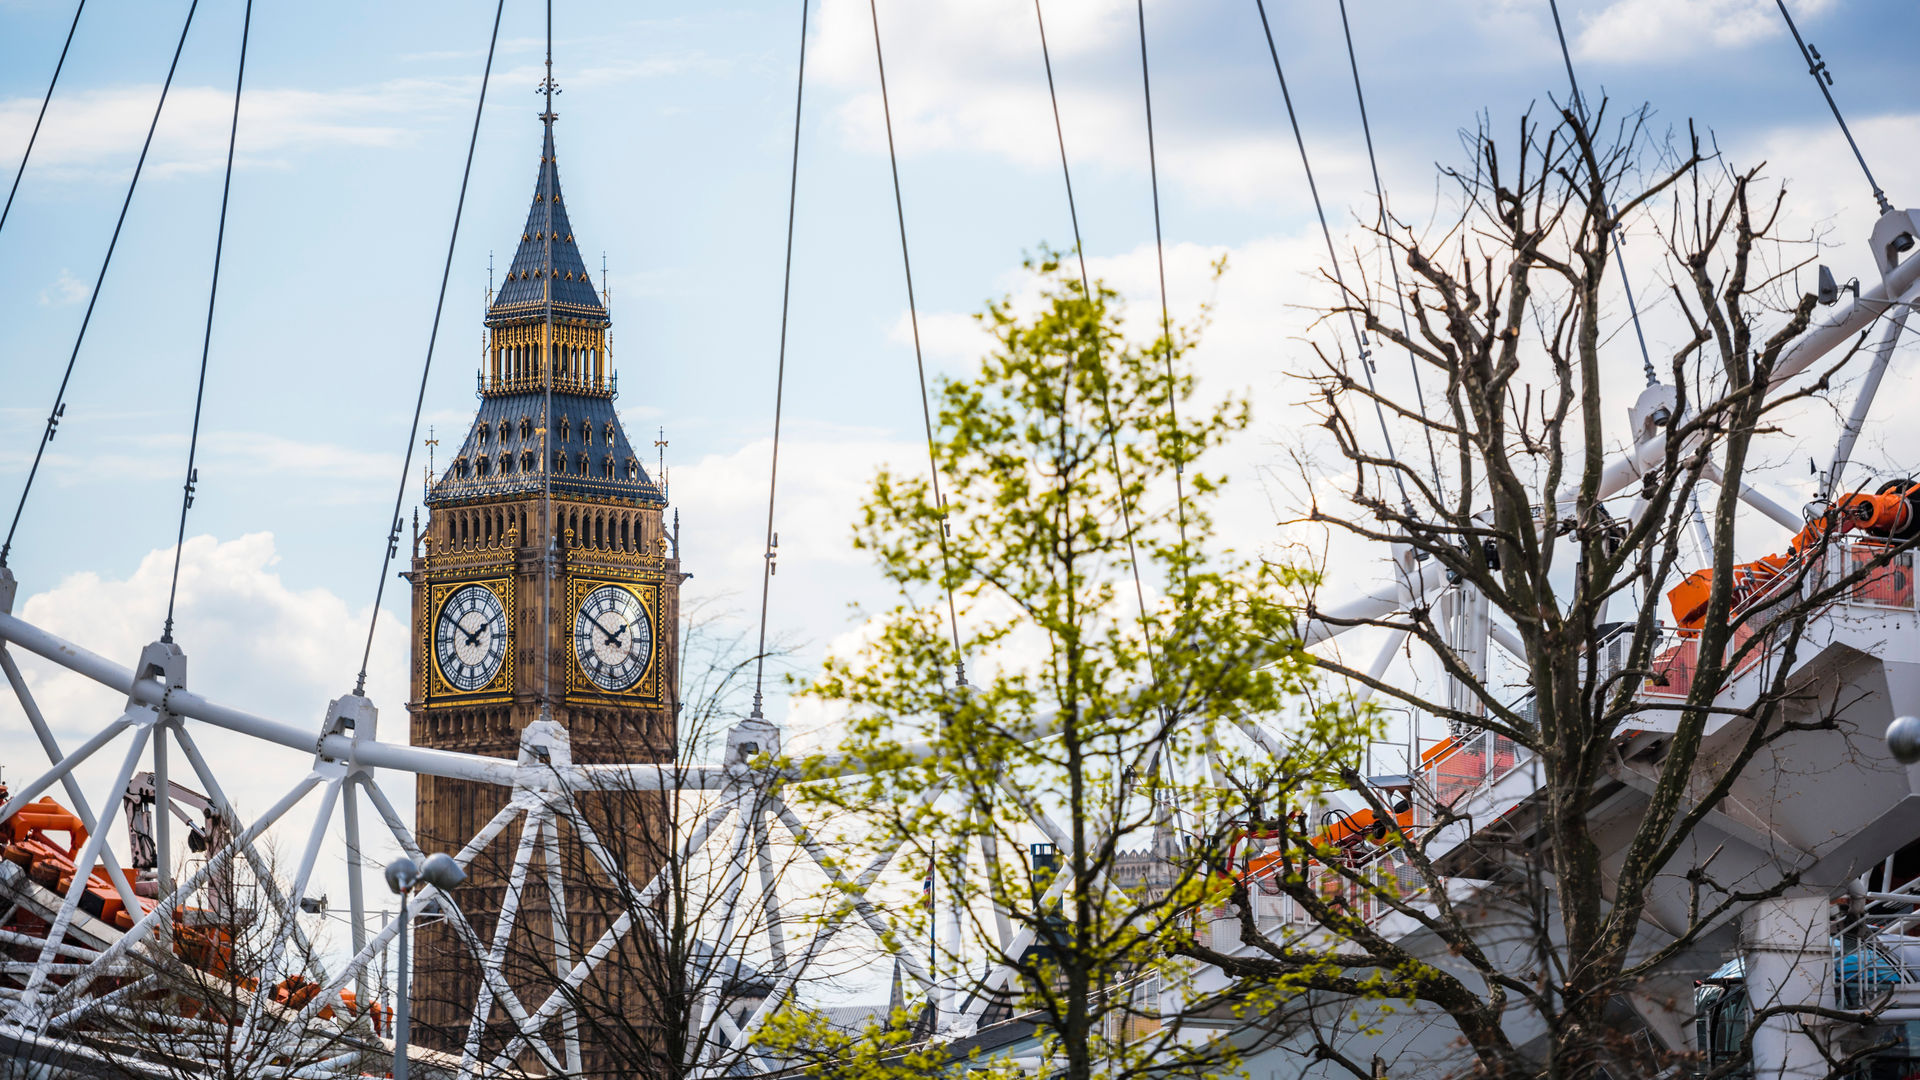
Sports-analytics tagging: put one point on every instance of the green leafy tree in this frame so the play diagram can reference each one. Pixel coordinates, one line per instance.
(1065, 801)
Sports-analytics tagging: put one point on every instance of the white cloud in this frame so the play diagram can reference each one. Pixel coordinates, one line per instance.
(1659, 31)
(1263, 316)
(252, 642)
(66, 289)
(824, 474)
(1824, 186)
(336, 473)
(967, 75)
(948, 334)
(96, 132)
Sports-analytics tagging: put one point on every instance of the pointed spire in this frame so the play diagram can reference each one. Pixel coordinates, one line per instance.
(547, 265)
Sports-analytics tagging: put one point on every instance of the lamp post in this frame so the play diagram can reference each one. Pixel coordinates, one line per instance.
(403, 877)
(1903, 739)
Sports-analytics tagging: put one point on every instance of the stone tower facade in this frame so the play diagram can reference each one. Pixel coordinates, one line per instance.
(545, 586)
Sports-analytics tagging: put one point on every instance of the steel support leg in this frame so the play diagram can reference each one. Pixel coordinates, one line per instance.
(562, 940)
(81, 807)
(82, 873)
(496, 957)
(164, 909)
(356, 891)
(65, 765)
(290, 912)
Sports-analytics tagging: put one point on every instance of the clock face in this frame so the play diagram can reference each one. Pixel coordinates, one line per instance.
(613, 637)
(470, 637)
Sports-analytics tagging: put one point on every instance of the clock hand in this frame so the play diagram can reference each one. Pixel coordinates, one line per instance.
(612, 636)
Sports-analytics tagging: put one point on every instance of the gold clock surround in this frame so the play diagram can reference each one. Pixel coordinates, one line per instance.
(648, 687)
(437, 688)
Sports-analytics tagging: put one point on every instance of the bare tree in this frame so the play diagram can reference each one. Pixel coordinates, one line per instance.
(1555, 923)
(194, 1003)
(684, 902)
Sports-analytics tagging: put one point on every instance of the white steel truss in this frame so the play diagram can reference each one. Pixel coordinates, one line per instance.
(83, 969)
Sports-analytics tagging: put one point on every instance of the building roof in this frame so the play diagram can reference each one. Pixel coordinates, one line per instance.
(548, 259)
(600, 462)
(462, 479)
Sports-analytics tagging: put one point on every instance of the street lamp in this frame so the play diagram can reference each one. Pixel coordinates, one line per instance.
(441, 872)
(1903, 739)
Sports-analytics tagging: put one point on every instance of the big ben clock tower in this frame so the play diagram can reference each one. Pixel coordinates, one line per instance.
(544, 582)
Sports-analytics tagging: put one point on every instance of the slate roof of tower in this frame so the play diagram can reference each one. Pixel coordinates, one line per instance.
(495, 434)
(575, 410)
(541, 263)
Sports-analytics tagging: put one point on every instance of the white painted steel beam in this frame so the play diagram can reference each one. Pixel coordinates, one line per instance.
(1778, 514)
(1863, 402)
(363, 753)
(81, 806)
(38, 786)
(504, 923)
(165, 907)
(82, 874)
(1833, 329)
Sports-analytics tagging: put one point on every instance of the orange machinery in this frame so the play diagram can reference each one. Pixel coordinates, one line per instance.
(1891, 513)
(1251, 859)
(31, 839)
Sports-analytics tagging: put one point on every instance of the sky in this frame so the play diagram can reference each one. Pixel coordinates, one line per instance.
(675, 130)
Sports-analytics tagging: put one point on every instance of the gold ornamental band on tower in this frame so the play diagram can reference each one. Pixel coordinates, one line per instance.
(544, 582)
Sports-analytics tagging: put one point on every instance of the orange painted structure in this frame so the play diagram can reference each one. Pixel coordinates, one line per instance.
(1891, 513)
(45, 838)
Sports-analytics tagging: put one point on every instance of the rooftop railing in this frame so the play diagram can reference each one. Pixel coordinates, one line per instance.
(586, 386)
(1886, 587)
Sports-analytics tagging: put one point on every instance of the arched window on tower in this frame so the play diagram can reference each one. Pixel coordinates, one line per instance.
(606, 466)
(560, 462)
(609, 433)
(526, 427)
(586, 433)
(633, 469)
(585, 467)
(526, 461)
(566, 430)
(482, 466)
